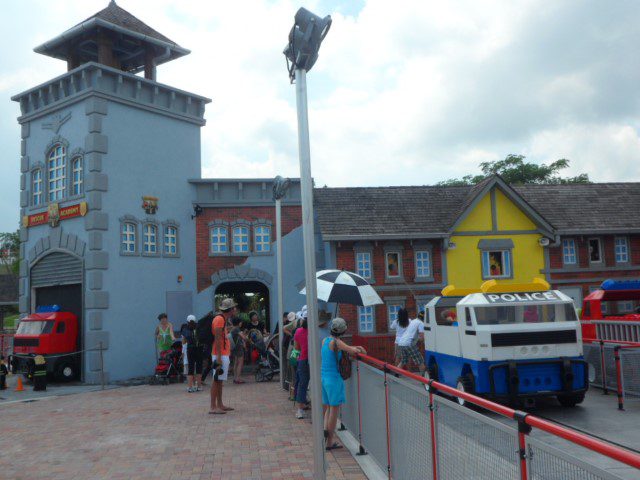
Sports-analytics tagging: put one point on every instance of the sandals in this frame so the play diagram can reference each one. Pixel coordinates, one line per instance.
(335, 446)
(215, 412)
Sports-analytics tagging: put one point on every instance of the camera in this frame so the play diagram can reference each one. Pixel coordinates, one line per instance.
(217, 369)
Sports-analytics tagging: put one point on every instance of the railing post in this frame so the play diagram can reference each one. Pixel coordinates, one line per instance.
(523, 430)
(361, 450)
(619, 385)
(605, 391)
(432, 421)
(101, 367)
(386, 411)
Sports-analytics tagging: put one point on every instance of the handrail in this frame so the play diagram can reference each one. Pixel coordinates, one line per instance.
(615, 342)
(617, 453)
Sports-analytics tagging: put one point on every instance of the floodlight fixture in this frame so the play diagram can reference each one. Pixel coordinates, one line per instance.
(305, 37)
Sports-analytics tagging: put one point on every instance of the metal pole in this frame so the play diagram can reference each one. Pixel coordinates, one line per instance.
(101, 367)
(279, 270)
(319, 468)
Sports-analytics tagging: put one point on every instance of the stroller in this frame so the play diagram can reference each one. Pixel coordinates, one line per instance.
(169, 367)
(268, 361)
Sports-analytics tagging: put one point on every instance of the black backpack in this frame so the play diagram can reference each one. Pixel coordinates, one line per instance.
(203, 330)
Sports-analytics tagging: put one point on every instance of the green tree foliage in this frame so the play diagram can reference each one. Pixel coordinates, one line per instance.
(10, 252)
(514, 170)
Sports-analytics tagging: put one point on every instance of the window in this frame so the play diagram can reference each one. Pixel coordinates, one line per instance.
(219, 240)
(36, 186)
(595, 250)
(626, 307)
(240, 239)
(569, 252)
(393, 264)
(392, 312)
(558, 312)
(622, 250)
(363, 264)
(365, 319)
(170, 240)
(496, 264)
(61, 327)
(56, 165)
(423, 264)
(150, 239)
(262, 238)
(76, 176)
(128, 242)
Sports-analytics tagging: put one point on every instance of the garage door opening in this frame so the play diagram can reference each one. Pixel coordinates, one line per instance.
(250, 296)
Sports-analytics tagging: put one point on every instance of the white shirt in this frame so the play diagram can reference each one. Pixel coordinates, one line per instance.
(399, 330)
(410, 333)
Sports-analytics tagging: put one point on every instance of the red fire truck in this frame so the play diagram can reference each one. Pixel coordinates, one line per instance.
(614, 301)
(50, 333)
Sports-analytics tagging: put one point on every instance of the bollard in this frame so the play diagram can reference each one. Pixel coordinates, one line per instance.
(101, 367)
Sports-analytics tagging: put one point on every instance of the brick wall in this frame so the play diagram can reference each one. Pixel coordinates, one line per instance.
(608, 251)
(208, 265)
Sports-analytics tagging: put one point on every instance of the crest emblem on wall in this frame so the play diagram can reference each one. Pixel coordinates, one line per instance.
(54, 214)
(150, 205)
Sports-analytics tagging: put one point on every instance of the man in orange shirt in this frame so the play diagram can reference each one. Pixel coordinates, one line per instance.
(220, 354)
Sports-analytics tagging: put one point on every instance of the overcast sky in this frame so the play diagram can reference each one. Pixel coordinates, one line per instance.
(404, 92)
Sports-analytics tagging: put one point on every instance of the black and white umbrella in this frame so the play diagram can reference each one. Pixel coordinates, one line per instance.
(339, 286)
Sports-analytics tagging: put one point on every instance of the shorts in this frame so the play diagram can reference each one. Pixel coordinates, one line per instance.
(225, 367)
(333, 391)
(410, 352)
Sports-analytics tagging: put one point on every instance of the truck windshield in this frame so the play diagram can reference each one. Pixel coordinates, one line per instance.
(512, 314)
(35, 327)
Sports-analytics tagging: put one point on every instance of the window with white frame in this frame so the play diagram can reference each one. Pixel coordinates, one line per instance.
(170, 240)
(423, 263)
(393, 266)
(36, 187)
(622, 250)
(262, 238)
(128, 238)
(56, 167)
(240, 239)
(569, 256)
(219, 243)
(496, 264)
(366, 321)
(625, 307)
(150, 239)
(595, 250)
(77, 176)
(363, 264)
(392, 312)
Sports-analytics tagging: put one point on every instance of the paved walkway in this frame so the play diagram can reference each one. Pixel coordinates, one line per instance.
(152, 432)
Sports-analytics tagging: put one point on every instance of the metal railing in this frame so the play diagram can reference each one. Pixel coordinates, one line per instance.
(614, 365)
(413, 433)
(618, 330)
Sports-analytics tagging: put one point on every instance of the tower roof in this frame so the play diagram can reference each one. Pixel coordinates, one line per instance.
(131, 40)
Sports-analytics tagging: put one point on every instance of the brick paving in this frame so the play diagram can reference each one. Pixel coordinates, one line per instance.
(162, 432)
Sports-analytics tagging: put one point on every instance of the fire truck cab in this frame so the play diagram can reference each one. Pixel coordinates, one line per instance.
(615, 300)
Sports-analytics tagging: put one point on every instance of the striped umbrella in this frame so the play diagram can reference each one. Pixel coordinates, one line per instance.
(339, 286)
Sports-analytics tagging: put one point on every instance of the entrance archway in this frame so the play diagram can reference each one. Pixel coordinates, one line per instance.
(249, 295)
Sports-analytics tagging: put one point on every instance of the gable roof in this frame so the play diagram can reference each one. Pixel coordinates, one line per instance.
(432, 211)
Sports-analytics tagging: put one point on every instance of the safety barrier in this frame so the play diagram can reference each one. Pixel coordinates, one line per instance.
(619, 331)
(412, 433)
(614, 365)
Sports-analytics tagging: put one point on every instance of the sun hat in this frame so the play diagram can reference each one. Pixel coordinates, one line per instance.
(191, 318)
(291, 316)
(338, 326)
(227, 304)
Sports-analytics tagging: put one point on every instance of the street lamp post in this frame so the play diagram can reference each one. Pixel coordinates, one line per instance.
(280, 187)
(302, 52)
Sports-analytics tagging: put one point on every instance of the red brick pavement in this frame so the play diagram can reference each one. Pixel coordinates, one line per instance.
(162, 432)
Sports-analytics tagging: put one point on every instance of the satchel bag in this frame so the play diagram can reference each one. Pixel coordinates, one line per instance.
(293, 357)
(344, 364)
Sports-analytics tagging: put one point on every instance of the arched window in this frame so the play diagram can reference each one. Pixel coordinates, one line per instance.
(128, 241)
(77, 176)
(170, 240)
(218, 239)
(150, 239)
(36, 187)
(240, 239)
(262, 238)
(57, 174)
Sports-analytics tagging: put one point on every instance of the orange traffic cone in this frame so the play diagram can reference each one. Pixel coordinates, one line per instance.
(19, 387)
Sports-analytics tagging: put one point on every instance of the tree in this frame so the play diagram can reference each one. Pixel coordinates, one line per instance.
(514, 170)
(10, 253)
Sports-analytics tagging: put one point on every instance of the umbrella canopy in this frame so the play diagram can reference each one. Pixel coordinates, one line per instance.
(339, 286)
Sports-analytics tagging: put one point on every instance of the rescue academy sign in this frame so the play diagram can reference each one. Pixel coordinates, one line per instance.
(522, 297)
(55, 214)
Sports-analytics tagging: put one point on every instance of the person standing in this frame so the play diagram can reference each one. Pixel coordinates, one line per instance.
(205, 336)
(164, 333)
(301, 342)
(333, 395)
(238, 338)
(194, 354)
(407, 343)
(4, 371)
(220, 354)
(400, 324)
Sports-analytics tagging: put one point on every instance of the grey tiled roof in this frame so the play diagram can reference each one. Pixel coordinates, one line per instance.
(119, 16)
(383, 211)
(8, 289)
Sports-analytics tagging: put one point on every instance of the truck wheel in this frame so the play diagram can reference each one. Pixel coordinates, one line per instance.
(571, 400)
(465, 384)
(430, 373)
(65, 371)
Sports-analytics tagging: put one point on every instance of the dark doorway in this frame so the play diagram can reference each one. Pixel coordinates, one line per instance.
(249, 296)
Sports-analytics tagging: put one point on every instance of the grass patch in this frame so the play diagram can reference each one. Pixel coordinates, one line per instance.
(11, 321)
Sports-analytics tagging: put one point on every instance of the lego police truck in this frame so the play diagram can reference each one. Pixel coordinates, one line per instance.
(510, 346)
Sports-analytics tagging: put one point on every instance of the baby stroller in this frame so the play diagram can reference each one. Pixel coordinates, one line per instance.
(169, 365)
(268, 361)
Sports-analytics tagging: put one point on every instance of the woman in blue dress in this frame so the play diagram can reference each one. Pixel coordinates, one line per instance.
(332, 384)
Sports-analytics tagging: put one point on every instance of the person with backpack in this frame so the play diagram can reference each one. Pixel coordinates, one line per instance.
(194, 353)
(205, 336)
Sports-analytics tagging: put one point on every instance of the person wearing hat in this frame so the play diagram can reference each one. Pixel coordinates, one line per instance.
(194, 353)
(220, 354)
(39, 374)
(332, 383)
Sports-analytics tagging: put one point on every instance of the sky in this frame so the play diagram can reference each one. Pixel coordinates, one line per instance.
(409, 92)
